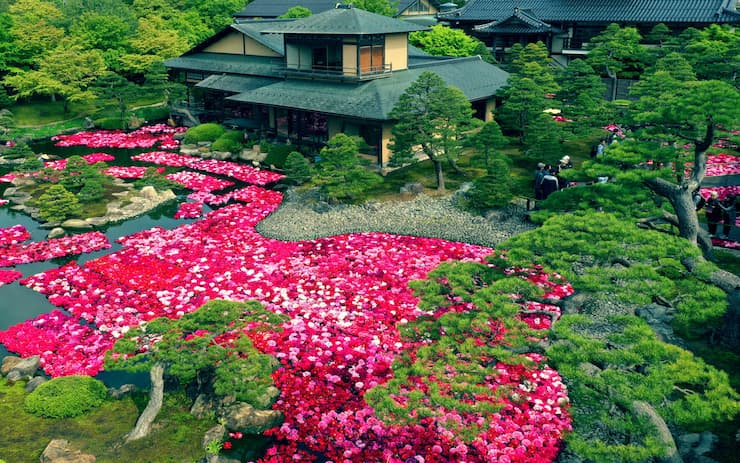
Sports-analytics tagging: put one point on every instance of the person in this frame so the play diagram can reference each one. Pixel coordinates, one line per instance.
(714, 213)
(549, 182)
(539, 174)
(600, 148)
(565, 163)
(699, 200)
(729, 214)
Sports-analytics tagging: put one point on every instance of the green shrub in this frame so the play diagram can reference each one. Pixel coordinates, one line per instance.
(277, 154)
(204, 132)
(494, 188)
(66, 397)
(109, 123)
(58, 204)
(226, 144)
(153, 113)
(297, 168)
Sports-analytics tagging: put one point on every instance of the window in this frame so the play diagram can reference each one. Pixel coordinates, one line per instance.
(371, 58)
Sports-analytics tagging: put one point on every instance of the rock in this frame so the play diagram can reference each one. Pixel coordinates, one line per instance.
(58, 451)
(76, 224)
(321, 207)
(245, 418)
(220, 155)
(204, 144)
(55, 232)
(203, 406)
(88, 124)
(573, 304)
(28, 366)
(694, 446)
(14, 376)
(124, 390)
(149, 192)
(8, 363)
(589, 368)
(217, 432)
(35, 382)
(268, 398)
(414, 188)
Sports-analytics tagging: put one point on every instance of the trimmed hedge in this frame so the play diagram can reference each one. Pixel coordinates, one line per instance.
(204, 132)
(66, 397)
(277, 154)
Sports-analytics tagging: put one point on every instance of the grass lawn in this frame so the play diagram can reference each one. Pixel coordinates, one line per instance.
(176, 436)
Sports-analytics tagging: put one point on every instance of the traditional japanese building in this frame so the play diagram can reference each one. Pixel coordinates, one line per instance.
(271, 9)
(305, 80)
(567, 25)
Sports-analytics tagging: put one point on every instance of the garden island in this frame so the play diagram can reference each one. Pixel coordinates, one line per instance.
(371, 232)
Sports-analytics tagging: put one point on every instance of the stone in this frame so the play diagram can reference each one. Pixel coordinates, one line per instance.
(14, 376)
(27, 366)
(76, 224)
(217, 432)
(88, 124)
(56, 232)
(120, 392)
(8, 363)
(573, 304)
(204, 144)
(35, 382)
(203, 406)
(58, 451)
(245, 418)
(414, 188)
(268, 398)
(220, 155)
(149, 192)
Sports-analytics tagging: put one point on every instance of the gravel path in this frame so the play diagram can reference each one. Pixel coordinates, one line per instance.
(302, 217)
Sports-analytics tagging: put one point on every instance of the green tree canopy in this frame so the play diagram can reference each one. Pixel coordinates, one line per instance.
(297, 11)
(384, 7)
(445, 41)
(339, 174)
(431, 115)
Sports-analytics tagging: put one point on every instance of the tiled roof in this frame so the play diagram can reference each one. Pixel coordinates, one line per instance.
(221, 63)
(345, 21)
(275, 8)
(254, 29)
(600, 11)
(521, 22)
(376, 99)
(234, 84)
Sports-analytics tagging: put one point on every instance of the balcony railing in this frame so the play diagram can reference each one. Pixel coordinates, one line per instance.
(337, 72)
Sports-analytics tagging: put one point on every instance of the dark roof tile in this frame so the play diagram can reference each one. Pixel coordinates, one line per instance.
(345, 21)
(275, 8)
(603, 11)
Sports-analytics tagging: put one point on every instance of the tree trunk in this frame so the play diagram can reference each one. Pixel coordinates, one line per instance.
(680, 195)
(156, 396)
(440, 175)
(458, 170)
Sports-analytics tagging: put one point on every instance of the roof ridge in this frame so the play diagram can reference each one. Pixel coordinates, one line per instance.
(444, 60)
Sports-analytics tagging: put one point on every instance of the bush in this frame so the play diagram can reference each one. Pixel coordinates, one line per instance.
(66, 397)
(204, 132)
(58, 204)
(297, 168)
(277, 154)
(109, 123)
(494, 188)
(153, 113)
(225, 143)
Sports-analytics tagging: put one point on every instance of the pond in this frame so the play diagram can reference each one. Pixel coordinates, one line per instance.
(19, 303)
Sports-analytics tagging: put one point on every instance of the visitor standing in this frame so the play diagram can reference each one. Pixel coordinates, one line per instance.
(729, 214)
(539, 174)
(714, 212)
(549, 182)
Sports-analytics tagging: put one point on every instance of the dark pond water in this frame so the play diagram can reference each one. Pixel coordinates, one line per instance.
(18, 303)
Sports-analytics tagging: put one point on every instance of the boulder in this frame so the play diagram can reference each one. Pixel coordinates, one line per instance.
(203, 406)
(245, 418)
(149, 192)
(58, 451)
(35, 382)
(76, 224)
(56, 232)
(268, 398)
(124, 390)
(88, 124)
(14, 376)
(220, 155)
(27, 366)
(414, 188)
(217, 433)
(8, 363)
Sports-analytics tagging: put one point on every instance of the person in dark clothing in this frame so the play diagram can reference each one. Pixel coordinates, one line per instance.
(714, 212)
(549, 182)
(539, 174)
(729, 214)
